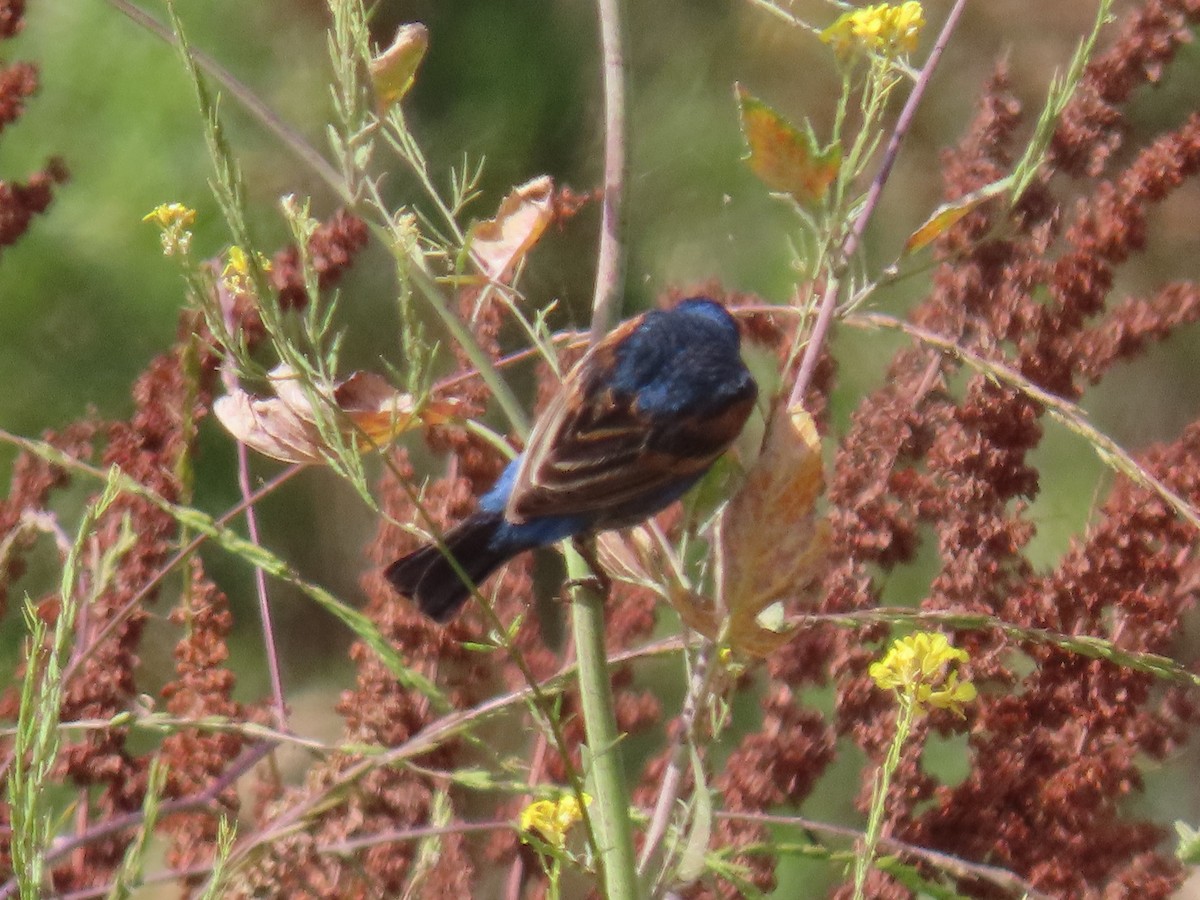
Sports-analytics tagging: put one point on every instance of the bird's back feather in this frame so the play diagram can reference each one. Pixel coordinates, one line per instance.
(632, 420)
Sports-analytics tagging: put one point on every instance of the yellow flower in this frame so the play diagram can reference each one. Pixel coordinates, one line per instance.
(168, 214)
(916, 667)
(173, 219)
(951, 696)
(236, 273)
(882, 28)
(552, 819)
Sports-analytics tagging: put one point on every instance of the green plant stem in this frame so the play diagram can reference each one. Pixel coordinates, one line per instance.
(610, 825)
(610, 815)
(862, 863)
(481, 361)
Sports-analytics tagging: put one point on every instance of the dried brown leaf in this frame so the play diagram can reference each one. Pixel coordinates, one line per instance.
(284, 426)
(498, 245)
(772, 541)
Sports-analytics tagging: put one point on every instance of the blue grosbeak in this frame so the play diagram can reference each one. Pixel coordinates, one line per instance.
(637, 422)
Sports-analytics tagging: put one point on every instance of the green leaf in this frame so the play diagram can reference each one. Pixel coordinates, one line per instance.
(691, 863)
(1188, 850)
(395, 69)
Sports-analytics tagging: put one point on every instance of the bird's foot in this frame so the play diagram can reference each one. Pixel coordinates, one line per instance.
(598, 582)
(593, 583)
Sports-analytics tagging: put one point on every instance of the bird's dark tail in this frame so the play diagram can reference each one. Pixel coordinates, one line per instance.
(427, 577)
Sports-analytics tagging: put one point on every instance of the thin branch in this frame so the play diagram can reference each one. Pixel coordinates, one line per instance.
(786, 16)
(516, 872)
(954, 865)
(167, 724)
(260, 590)
(828, 306)
(610, 259)
(230, 380)
(702, 675)
(394, 836)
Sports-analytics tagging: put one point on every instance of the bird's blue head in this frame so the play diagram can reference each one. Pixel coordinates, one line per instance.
(707, 308)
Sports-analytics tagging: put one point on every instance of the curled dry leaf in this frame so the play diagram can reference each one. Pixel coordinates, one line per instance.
(395, 69)
(498, 245)
(771, 540)
(637, 556)
(284, 426)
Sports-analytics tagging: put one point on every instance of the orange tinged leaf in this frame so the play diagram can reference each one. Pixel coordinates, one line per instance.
(785, 158)
(948, 215)
(498, 245)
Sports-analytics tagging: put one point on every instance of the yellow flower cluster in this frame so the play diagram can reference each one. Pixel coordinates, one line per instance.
(552, 819)
(236, 274)
(173, 219)
(915, 667)
(883, 28)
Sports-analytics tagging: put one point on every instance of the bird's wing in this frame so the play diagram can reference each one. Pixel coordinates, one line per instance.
(593, 450)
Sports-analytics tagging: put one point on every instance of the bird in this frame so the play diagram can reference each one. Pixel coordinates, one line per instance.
(636, 423)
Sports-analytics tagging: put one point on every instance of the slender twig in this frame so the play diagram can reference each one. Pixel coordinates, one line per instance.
(828, 305)
(170, 565)
(610, 258)
(162, 722)
(702, 674)
(516, 871)
(786, 16)
(260, 590)
(397, 835)
(230, 380)
(954, 865)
